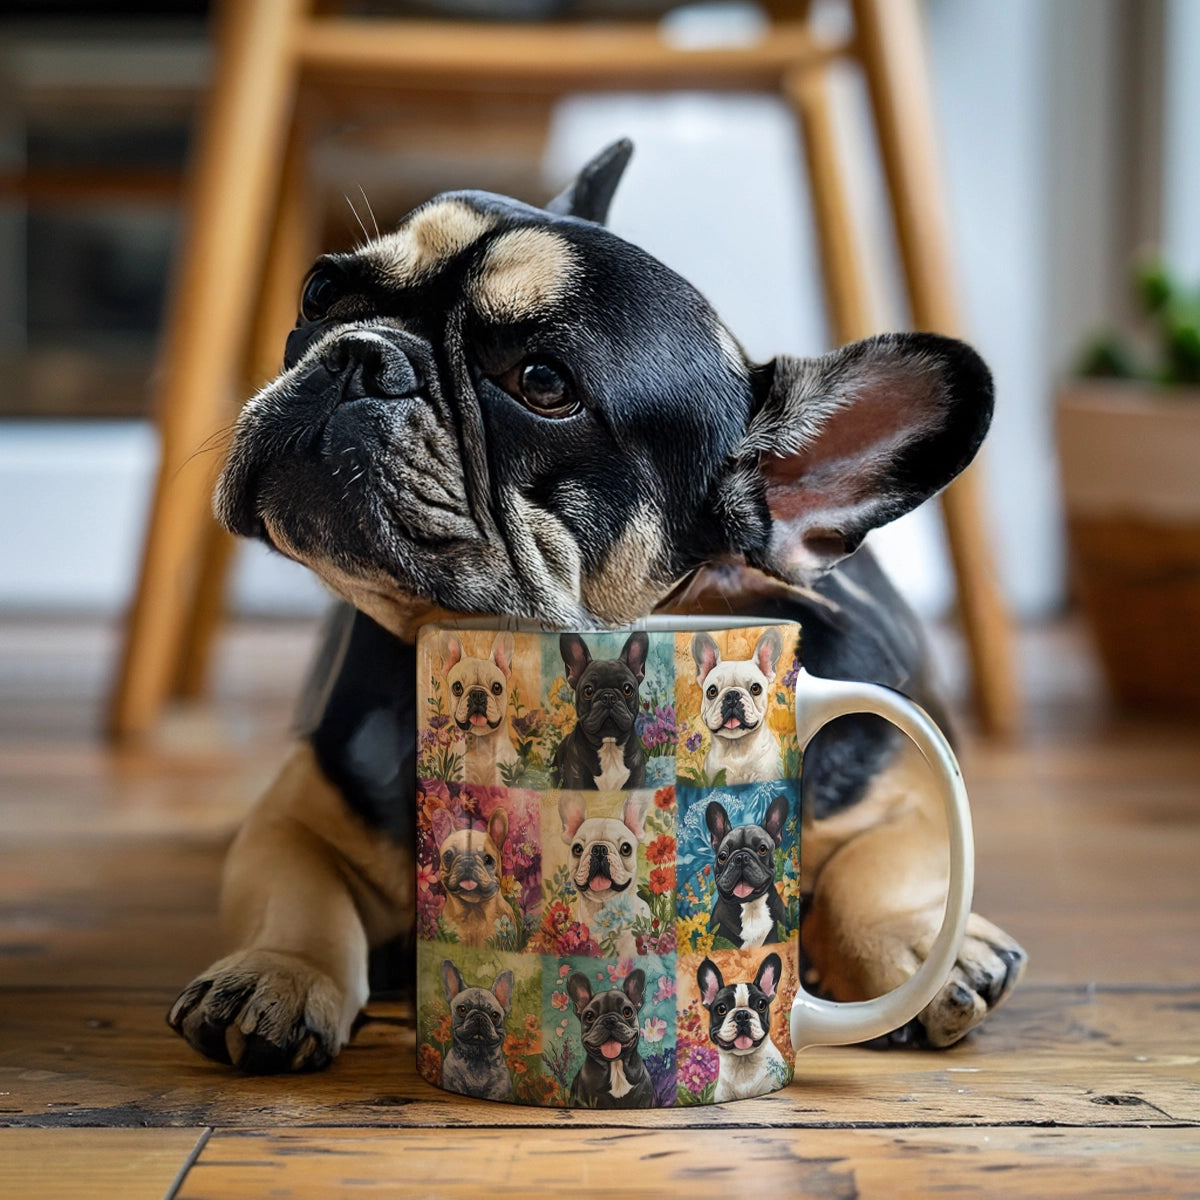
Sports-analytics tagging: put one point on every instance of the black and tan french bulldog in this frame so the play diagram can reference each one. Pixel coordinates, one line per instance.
(475, 1063)
(613, 1074)
(503, 409)
(469, 870)
(748, 910)
(735, 696)
(603, 750)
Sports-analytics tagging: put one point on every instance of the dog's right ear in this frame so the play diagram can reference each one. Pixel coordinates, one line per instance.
(849, 441)
(719, 825)
(708, 977)
(580, 991)
(452, 980)
(590, 193)
(706, 655)
(575, 656)
(502, 989)
(451, 649)
(572, 812)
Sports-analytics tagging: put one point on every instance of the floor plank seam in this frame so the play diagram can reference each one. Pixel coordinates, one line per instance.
(188, 1163)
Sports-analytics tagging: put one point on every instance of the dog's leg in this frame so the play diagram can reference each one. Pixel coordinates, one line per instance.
(879, 873)
(305, 890)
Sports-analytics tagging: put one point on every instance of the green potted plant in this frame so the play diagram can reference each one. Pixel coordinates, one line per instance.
(1129, 452)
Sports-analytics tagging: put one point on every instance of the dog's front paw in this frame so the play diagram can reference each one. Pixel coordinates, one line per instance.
(264, 1012)
(989, 966)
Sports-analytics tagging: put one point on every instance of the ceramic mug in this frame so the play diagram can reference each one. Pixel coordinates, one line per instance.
(608, 853)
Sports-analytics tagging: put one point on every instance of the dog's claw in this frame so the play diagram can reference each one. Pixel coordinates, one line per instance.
(263, 1012)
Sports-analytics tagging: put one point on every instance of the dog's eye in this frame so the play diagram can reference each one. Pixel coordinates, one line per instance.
(488, 861)
(542, 386)
(322, 289)
(627, 1012)
(628, 689)
(712, 692)
(762, 849)
(761, 1005)
(723, 856)
(588, 690)
(722, 1009)
(756, 689)
(577, 850)
(588, 1018)
(626, 849)
(497, 1018)
(497, 689)
(456, 688)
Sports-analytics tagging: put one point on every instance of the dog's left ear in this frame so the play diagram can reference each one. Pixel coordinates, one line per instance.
(590, 193)
(844, 443)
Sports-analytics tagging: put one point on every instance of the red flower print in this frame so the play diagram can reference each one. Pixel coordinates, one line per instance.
(662, 849)
(664, 797)
(662, 880)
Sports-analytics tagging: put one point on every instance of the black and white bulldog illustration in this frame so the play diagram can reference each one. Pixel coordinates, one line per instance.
(748, 910)
(740, 1028)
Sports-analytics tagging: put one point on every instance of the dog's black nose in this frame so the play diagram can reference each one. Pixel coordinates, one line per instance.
(369, 364)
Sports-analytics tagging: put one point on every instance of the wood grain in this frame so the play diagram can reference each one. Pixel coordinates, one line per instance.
(99, 1164)
(695, 1163)
(1063, 1056)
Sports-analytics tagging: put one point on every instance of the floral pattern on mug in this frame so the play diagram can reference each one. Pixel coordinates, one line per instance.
(517, 1052)
(694, 766)
(698, 897)
(446, 809)
(563, 1054)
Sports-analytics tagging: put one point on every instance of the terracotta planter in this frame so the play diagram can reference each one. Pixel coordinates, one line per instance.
(1130, 460)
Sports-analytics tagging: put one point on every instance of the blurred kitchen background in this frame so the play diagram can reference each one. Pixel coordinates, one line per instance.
(1069, 147)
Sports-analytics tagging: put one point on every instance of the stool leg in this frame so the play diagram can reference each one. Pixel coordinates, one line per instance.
(891, 49)
(846, 294)
(289, 254)
(236, 176)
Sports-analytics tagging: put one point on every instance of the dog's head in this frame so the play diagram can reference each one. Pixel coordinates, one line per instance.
(469, 860)
(608, 1020)
(745, 853)
(607, 690)
(477, 1014)
(739, 1014)
(504, 409)
(478, 686)
(736, 692)
(603, 849)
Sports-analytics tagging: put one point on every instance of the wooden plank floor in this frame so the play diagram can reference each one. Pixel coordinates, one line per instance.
(1087, 1083)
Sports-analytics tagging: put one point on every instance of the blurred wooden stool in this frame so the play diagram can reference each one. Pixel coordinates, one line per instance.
(247, 247)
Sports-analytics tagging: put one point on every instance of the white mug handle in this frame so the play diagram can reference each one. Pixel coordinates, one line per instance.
(817, 1022)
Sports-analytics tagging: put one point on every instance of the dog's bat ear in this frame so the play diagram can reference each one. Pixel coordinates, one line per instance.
(575, 656)
(635, 652)
(590, 193)
(708, 978)
(633, 815)
(706, 655)
(635, 986)
(767, 650)
(717, 820)
(776, 818)
(502, 989)
(580, 991)
(452, 980)
(451, 649)
(441, 824)
(767, 979)
(497, 827)
(850, 441)
(573, 812)
(502, 652)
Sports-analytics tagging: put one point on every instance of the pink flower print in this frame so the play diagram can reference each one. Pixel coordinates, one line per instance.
(565, 969)
(426, 876)
(560, 1000)
(665, 989)
(654, 1029)
(618, 971)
